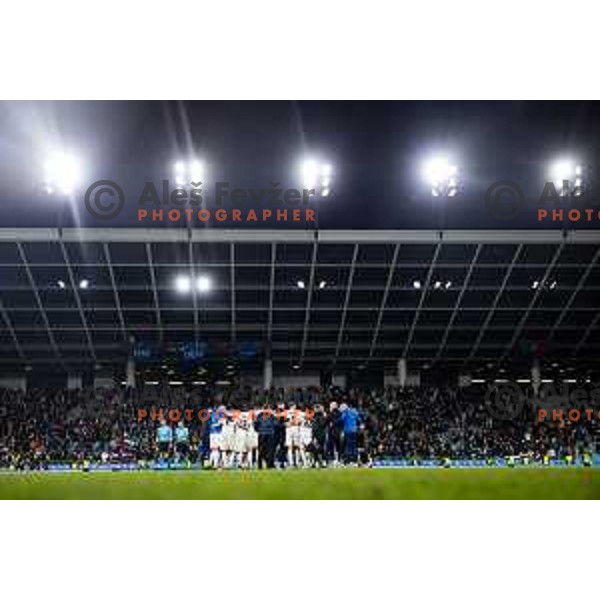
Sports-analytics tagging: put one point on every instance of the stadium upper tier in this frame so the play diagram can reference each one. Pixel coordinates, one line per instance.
(314, 299)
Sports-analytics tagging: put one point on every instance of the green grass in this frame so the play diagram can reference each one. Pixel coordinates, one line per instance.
(521, 483)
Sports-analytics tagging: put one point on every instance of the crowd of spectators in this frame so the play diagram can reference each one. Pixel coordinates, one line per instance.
(42, 426)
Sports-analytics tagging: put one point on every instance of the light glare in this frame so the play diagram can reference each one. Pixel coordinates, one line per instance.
(438, 170)
(61, 172)
(203, 284)
(183, 284)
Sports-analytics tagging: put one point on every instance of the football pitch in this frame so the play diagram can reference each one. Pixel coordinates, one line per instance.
(334, 484)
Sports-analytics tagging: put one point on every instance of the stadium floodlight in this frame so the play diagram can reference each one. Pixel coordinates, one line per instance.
(317, 176)
(442, 176)
(534, 285)
(203, 284)
(563, 169)
(196, 171)
(84, 284)
(61, 284)
(437, 285)
(183, 284)
(568, 177)
(62, 174)
(188, 172)
(417, 285)
(300, 284)
(448, 285)
(322, 285)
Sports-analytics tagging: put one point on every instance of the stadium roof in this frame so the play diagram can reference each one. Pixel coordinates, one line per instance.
(366, 297)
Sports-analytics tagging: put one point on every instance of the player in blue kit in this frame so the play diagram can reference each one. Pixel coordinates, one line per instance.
(215, 427)
(350, 420)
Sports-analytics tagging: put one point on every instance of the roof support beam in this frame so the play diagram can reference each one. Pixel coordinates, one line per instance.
(346, 303)
(384, 298)
(586, 335)
(572, 297)
(193, 284)
(491, 311)
(271, 293)
(311, 281)
(232, 283)
(113, 283)
(73, 282)
(40, 306)
(154, 290)
(525, 316)
(422, 299)
(11, 331)
(325, 236)
(463, 289)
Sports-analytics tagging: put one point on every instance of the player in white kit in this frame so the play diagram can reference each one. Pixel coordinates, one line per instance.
(250, 446)
(238, 440)
(228, 442)
(291, 439)
(306, 435)
(302, 438)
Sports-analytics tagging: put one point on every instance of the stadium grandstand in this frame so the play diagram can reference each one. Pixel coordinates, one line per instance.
(408, 328)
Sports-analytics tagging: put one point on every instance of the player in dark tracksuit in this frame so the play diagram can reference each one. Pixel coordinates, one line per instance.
(319, 437)
(334, 433)
(265, 427)
(279, 436)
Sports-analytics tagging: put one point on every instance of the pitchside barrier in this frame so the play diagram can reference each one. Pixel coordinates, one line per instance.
(380, 464)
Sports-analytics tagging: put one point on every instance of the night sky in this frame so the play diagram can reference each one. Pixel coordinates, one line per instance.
(376, 149)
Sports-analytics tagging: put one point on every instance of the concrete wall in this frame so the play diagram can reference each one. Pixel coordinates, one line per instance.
(103, 381)
(13, 383)
(412, 380)
(255, 381)
(74, 382)
(296, 381)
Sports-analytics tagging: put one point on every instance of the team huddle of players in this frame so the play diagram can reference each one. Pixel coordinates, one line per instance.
(291, 437)
(232, 441)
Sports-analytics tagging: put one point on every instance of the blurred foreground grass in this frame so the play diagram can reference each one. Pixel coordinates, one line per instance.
(520, 483)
